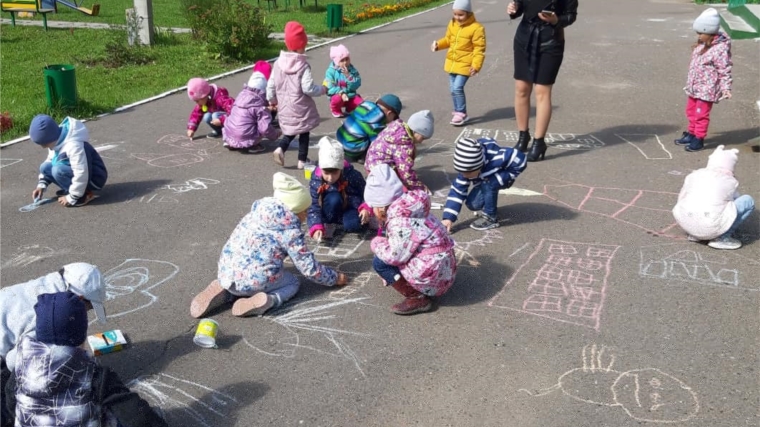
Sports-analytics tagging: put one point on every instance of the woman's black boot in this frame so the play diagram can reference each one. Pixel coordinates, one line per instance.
(537, 150)
(522, 141)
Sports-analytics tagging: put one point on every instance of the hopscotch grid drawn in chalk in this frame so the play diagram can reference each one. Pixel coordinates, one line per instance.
(134, 275)
(634, 139)
(341, 245)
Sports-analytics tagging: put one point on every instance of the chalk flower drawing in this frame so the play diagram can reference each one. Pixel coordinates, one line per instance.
(647, 395)
(129, 285)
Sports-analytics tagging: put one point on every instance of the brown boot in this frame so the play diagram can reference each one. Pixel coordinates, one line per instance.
(415, 301)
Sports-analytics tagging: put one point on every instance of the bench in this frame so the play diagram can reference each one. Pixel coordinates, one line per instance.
(33, 6)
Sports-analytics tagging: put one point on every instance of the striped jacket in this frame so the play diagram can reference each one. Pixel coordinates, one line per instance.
(361, 127)
(501, 168)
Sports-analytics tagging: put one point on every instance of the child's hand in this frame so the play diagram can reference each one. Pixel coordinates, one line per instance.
(216, 122)
(434, 46)
(473, 71)
(37, 194)
(364, 216)
(317, 235)
(447, 223)
(62, 201)
(726, 94)
(190, 133)
(344, 97)
(342, 280)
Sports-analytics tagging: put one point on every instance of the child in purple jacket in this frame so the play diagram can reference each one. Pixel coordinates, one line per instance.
(212, 105)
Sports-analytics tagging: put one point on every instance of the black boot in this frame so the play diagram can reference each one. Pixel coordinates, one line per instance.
(685, 139)
(696, 144)
(537, 150)
(522, 141)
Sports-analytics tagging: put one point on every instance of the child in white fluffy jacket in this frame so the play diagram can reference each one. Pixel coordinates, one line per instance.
(709, 206)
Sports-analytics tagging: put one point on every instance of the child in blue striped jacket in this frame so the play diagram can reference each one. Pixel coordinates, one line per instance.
(488, 168)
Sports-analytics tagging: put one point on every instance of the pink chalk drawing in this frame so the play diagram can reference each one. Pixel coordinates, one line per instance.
(640, 208)
(567, 286)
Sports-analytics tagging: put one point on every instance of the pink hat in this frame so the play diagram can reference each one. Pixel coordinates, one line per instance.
(338, 53)
(723, 159)
(198, 89)
(295, 36)
(263, 67)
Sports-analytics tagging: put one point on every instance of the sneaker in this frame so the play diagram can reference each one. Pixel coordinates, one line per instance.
(725, 242)
(301, 164)
(214, 134)
(691, 238)
(210, 298)
(685, 139)
(457, 119)
(256, 149)
(279, 157)
(696, 144)
(485, 222)
(413, 305)
(256, 305)
(338, 115)
(225, 145)
(87, 198)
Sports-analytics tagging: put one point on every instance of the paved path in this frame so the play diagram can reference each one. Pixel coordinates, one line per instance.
(585, 308)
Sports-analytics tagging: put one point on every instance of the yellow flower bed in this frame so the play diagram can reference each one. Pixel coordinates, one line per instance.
(369, 11)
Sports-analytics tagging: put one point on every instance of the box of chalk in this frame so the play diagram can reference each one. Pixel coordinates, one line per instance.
(106, 342)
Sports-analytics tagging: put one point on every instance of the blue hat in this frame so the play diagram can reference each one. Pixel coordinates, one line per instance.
(61, 319)
(391, 101)
(44, 130)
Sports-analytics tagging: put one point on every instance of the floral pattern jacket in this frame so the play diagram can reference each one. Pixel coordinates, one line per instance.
(394, 145)
(710, 71)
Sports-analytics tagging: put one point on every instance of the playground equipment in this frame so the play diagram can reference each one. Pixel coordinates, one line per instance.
(78, 6)
(33, 6)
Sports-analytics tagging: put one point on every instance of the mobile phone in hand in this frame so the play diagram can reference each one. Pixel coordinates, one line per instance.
(547, 12)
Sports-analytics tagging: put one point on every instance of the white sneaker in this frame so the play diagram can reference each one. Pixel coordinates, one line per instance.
(725, 242)
(691, 238)
(279, 157)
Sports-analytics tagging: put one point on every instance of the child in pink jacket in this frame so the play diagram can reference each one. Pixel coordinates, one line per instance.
(212, 105)
(417, 255)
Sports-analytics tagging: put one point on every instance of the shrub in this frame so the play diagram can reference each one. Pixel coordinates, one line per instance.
(229, 28)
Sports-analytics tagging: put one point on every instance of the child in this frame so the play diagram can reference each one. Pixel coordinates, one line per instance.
(709, 79)
(250, 119)
(337, 191)
(395, 146)
(417, 256)
(293, 84)
(253, 273)
(466, 40)
(709, 206)
(72, 163)
(362, 126)
(212, 105)
(17, 316)
(489, 168)
(342, 81)
(58, 384)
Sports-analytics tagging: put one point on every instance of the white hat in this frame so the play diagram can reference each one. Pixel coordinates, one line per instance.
(85, 280)
(723, 159)
(330, 153)
(708, 22)
(257, 81)
(464, 5)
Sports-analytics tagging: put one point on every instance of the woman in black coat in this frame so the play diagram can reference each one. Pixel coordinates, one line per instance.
(539, 46)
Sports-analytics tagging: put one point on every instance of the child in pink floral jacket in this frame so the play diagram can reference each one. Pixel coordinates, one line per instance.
(709, 79)
(212, 105)
(417, 255)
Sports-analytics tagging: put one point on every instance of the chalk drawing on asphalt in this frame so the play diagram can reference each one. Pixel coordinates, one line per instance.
(649, 145)
(646, 395)
(34, 205)
(26, 255)
(562, 141)
(153, 198)
(463, 250)
(341, 245)
(5, 162)
(192, 184)
(359, 276)
(130, 285)
(166, 393)
(639, 208)
(562, 281)
(196, 150)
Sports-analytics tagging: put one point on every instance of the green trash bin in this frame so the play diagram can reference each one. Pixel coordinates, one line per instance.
(334, 16)
(60, 85)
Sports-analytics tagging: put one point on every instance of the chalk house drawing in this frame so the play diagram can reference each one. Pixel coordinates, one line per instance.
(206, 406)
(562, 281)
(26, 255)
(129, 285)
(646, 395)
(695, 264)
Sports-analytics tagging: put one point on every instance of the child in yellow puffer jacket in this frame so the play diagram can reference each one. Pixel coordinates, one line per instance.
(466, 40)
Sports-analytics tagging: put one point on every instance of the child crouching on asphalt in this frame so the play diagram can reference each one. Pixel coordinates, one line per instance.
(253, 275)
(212, 105)
(417, 256)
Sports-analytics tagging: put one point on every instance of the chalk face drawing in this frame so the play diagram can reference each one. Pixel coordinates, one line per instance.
(649, 145)
(646, 395)
(5, 162)
(166, 393)
(129, 285)
(26, 255)
(639, 208)
(695, 264)
(562, 141)
(562, 281)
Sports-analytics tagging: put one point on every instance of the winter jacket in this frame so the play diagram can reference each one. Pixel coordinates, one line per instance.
(361, 127)
(73, 150)
(710, 72)
(292, 87)
(249, 120)
(17, 316)
(352, 184)
(219, 101)
(395, 146)
(502, 166)
(337, 82)
(253, 256)
(705, 207)
(418, 244)
(466, 44)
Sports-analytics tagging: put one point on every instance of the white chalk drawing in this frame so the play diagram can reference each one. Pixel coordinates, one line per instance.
(563, 141)
(463, 249)
(693, 263)
(433, 142)
(26, 255)
(129, 285)
(34, 205)
(197, 150)
(5, 162)
(358, 278)
(514, 191)
(646, 395)
(649, 145)
(105, 147)
(153, 198)
(206, 406)
(192, 184)
(342, 245)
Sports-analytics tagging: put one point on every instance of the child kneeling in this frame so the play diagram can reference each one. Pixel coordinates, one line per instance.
(417, 256)
(251, 269)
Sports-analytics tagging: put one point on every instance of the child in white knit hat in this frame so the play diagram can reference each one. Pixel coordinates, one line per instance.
(709, 79)
(709, 206)
(253, 276)
(337, 193)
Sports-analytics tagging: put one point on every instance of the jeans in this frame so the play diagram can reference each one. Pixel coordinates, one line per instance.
(744, 206)
(698, 113)
(390, 273)
(60, 174)
(456, 86)
(282, 290)
(333, 212)
(208, 117)
(303, 145)
(484, 197)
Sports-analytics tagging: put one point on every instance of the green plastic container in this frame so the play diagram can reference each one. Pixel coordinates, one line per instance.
(60, 85)
(334, 16)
